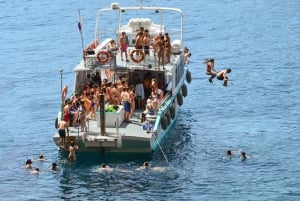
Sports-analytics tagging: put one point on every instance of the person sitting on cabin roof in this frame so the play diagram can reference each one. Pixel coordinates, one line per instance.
(112, 48)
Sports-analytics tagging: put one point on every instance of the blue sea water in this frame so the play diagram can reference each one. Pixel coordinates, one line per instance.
(259, 112)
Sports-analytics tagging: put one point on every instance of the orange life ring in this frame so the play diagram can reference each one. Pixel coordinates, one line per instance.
(64, 93)
(103, 56)
(140, 53)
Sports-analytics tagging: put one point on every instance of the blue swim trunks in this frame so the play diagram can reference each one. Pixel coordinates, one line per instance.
(126, 106)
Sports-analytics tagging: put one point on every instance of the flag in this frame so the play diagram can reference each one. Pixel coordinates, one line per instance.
(79, 24)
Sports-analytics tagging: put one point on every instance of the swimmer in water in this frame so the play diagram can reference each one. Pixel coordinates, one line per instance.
(104, 167)
(42, 158)
(244, 156)
(229, 154)
(146, 165)
(35, 171)
(72, 149)
(28, 164)
(53, 167)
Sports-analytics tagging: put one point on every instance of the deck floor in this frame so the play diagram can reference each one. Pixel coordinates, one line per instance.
(134, 129)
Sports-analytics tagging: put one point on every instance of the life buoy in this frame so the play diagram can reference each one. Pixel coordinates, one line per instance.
(172, 111)
(184, 90)
(64, 93)
(103, 56)
(164, 122)
(140, 55)
(188, 76)
(179, 99)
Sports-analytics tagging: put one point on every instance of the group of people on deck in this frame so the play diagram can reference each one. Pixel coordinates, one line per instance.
(81, 107)
(161, 45)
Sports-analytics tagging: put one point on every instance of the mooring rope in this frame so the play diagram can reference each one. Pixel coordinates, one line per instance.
(161, 150)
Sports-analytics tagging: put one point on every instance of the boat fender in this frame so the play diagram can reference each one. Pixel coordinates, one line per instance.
(172, 111)
(164, 122)
(103, 56)
(188, 76)
(140, 55)
(179, 99)
(56, 123)
(184, 90)
(168, 115)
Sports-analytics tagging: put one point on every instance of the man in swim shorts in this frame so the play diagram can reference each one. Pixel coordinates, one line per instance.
(125, 97)
(62, 127)
(123, 45)
(222, 75)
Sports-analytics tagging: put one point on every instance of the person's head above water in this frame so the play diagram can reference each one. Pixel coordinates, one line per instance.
(146, 164)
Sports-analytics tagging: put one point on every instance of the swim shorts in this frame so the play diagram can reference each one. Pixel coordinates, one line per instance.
(62, 132)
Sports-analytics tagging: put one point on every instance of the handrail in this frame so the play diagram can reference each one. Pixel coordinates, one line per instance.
(165, 98)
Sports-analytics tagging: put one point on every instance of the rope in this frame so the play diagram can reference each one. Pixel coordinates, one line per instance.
(161, 150)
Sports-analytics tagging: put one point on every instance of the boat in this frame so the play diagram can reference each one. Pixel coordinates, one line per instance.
(107, 129)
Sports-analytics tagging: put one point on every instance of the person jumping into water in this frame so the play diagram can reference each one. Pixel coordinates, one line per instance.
(222, 75)
(210, 69)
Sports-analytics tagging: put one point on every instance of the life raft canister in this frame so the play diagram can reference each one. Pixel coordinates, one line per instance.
(103, 56)
(140, 54)
(184, 90)
(188, 76)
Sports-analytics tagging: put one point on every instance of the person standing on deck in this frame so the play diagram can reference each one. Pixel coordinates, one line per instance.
(82, 116)
(62, 128)
(125, 99)
(132, 100)
(147, 84)
(156, 39)
(146, 44)
(139, 41)
(115, 95)
(167, 47)
(140, 94)
(123, 45)
(161, 51)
